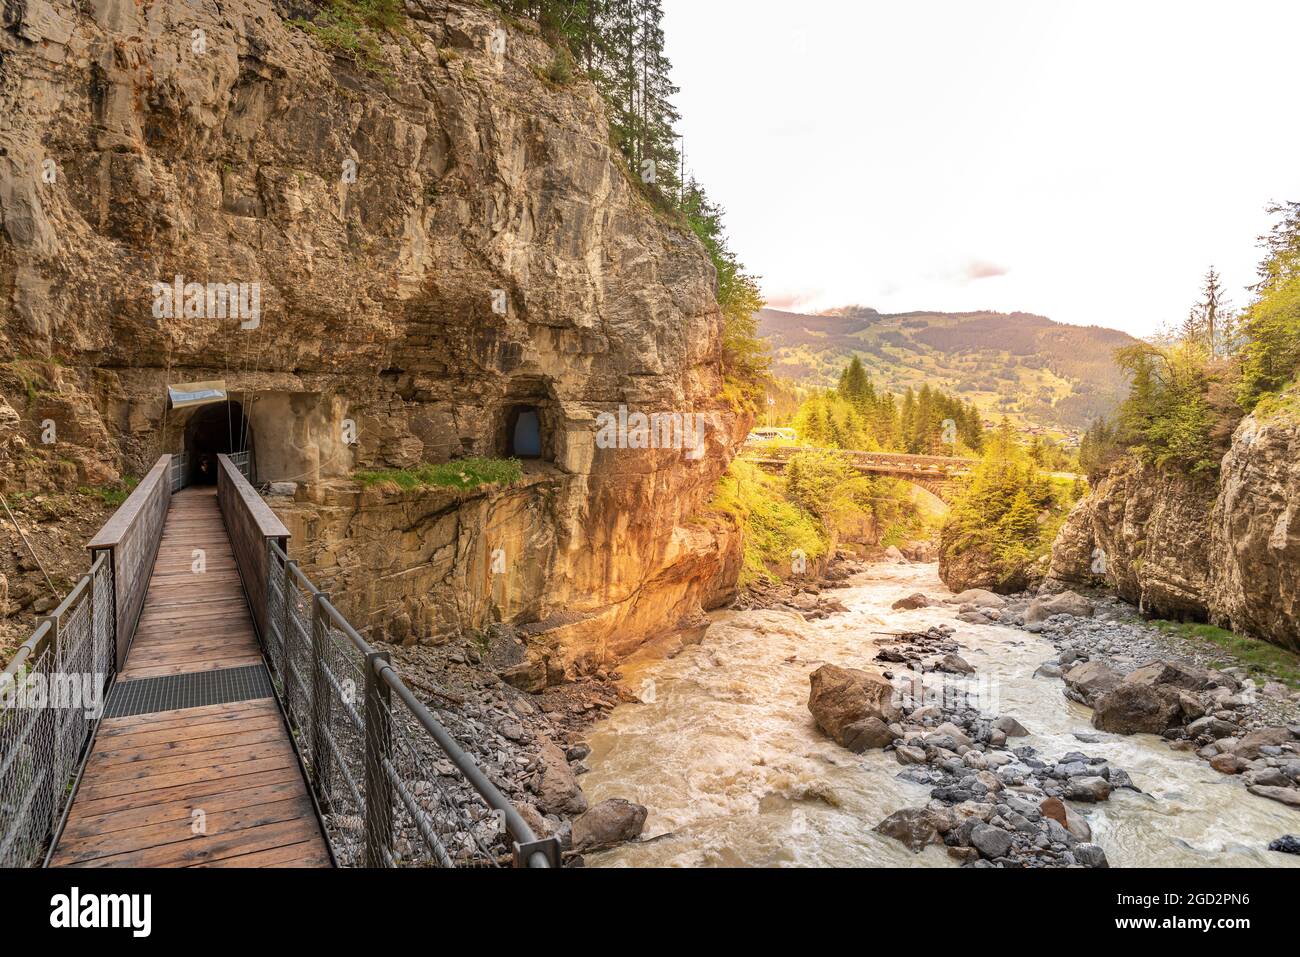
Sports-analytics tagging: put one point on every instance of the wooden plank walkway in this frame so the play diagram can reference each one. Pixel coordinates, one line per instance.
(217, 785)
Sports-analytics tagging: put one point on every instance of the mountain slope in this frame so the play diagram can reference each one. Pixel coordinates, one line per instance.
(1033, 369)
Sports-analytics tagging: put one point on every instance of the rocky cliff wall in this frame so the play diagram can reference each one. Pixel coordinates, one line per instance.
(1254, 583)
(1225, 550)
(434, 247)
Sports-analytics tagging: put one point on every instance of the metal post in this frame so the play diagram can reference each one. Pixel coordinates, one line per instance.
(320, 693)
(287, 602)
(55, 780)
(379, 749)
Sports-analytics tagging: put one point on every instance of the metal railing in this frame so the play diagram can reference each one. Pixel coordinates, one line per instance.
(243, 462)
(130, 538)
(180, 471)
(395, 789)
(52, 694)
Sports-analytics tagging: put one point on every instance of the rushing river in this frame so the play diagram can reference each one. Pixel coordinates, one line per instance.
(735, 773)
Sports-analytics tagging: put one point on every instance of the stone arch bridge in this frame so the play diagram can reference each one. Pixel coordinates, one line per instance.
(937, 474)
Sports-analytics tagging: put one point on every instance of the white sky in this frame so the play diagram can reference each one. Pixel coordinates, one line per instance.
(1095, 157)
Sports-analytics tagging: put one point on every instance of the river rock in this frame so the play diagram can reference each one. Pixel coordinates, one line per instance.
(1172, 673)
(954, 665)
(992, 842)
(1249, 746)
(1090, 855)
(914, 827)
(612, 821)
(1228, 763)
(909, 755)
(1136, 709)
(1287, 796)
(1090, 788)
(1066, 603)
(912, 602)
(840, 698)
(558, 791)
(979, 597)
(1092, 678)
(1010, 727)
(1286, 844)
(868, 734)
(1212, 727)
(1074, 824)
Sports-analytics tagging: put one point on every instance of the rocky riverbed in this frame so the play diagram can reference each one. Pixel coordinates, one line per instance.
(735, 769)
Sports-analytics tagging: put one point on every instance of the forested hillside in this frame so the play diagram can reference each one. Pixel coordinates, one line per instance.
(1027, 367)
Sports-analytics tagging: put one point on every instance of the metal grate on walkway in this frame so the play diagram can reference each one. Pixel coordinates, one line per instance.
(195, 690)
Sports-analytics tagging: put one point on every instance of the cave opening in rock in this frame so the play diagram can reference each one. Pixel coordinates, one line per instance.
(524, 433)
(214, 429)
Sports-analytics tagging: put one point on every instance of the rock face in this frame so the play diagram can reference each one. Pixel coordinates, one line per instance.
(1254, 583)
(977, 567)
(1179, 546)
(853, 707)
(436, 252)
(1146, 528)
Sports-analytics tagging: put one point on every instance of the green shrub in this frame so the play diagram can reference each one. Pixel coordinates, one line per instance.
(774, 527)
(352, 27)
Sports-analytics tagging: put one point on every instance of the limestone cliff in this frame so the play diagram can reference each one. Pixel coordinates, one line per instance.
(1178, 546)
(436, 247)
(1254, 583)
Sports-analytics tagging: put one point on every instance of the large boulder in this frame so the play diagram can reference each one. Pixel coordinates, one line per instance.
(1137, 709)
(1172, 673)
(1249, 745)
(842, 699)
(1092, 678)
(611, 821)
(555, 784)
(914, 827)
(1066, 603)
(979, 597)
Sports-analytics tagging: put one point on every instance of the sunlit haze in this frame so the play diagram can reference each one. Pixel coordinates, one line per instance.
(1082, 161)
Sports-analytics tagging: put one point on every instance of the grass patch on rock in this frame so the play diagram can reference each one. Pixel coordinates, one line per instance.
(1258, 657)
(458, 474)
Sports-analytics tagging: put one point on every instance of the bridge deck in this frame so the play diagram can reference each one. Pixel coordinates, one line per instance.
(216, 784)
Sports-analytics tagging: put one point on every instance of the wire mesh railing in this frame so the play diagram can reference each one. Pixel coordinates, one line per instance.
(395, 789)
(242, 461)
(51, 697)
(180, 470)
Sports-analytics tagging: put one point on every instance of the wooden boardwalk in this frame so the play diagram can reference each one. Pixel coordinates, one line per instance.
(216, 785)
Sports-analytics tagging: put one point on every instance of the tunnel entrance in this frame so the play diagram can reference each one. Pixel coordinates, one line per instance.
(214, 429)
(524, 433)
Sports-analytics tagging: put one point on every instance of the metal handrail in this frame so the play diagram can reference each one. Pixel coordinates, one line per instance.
(43, 748)
(529, 850)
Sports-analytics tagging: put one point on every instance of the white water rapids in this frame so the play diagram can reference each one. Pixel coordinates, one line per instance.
(732, 768)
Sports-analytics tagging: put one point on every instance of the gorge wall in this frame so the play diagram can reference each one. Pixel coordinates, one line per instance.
(1223, 549)
(437, 246)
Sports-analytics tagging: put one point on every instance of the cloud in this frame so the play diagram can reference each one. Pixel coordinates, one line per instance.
(793, 301)
(983, 269)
